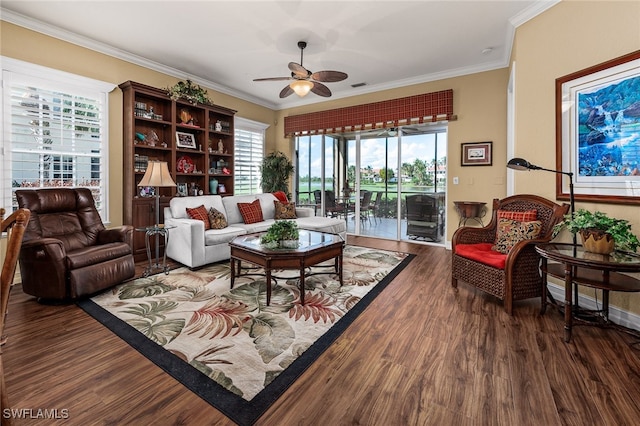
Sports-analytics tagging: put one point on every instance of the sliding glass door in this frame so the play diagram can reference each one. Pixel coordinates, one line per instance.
(371, 174)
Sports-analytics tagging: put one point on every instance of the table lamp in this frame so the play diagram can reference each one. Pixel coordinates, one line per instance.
(158, 176)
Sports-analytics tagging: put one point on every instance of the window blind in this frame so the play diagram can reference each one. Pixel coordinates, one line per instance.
(54, 136)
(248, 155)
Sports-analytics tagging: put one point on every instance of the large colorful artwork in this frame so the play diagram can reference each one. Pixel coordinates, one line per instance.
(598, 131)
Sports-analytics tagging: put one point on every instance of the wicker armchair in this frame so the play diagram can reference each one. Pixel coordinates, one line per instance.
(520, 278)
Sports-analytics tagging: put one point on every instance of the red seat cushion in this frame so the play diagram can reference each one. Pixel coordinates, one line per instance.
(482, 253)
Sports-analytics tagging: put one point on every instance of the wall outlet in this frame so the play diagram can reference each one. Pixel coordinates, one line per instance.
(456, 180)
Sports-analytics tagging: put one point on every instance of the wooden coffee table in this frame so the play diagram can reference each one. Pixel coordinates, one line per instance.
(313, 248)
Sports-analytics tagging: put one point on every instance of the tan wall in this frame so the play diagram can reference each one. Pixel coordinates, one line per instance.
(569, 37)
(30, 46)
(479, 101)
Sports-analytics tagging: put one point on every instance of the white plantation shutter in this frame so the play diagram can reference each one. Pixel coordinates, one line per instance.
(248, 155)
(55, 133)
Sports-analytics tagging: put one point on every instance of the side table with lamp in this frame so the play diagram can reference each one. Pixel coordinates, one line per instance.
(158, 176)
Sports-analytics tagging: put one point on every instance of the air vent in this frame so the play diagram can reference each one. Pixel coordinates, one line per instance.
(358, 85)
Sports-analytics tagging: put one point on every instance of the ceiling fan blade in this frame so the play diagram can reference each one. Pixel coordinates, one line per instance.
(329, 76)
(299, 70)
(286, 92)
(273, 79)
(320, 89)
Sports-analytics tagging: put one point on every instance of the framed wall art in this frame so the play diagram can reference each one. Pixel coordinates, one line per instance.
(477, 154)
(598, 131)
(185, 140)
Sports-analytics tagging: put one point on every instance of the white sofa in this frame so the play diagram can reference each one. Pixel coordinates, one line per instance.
(192, 246)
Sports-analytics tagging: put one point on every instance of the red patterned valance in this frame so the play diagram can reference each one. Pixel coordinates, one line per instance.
(424, 108)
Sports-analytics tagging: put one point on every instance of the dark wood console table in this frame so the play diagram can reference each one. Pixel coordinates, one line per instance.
(575, 265)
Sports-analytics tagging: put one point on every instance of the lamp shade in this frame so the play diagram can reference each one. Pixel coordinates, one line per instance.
(157, 174)
(519, 164)
(301, 87)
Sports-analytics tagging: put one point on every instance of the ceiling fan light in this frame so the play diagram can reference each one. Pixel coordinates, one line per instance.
(301, 87)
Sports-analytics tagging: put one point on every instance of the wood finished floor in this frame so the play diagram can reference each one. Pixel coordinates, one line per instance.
(421, 354)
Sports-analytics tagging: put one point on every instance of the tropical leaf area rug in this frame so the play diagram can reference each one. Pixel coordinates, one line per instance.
(226, 345)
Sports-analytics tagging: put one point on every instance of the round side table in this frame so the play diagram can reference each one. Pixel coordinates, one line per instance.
(474, 210)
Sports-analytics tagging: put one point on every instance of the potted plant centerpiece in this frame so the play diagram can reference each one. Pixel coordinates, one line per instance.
(283, 234)
(599, 232)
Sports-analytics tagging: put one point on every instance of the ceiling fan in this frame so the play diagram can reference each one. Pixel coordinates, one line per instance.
(305, 81)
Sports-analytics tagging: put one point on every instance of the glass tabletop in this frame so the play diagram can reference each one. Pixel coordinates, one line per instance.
(577, 254)
(307, 240)
(156, 228)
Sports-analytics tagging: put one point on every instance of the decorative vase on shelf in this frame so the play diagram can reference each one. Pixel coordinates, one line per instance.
(213, 186)
(597, 241)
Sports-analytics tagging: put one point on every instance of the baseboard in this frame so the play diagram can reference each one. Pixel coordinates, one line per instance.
(616, 314)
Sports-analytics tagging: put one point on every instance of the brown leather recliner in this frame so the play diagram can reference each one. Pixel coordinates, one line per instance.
(66, 252)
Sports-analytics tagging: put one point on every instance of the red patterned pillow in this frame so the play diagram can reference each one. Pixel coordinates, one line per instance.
(526, 216)
(285, 210)
(511, 232)
(251, 212)
(200, 213)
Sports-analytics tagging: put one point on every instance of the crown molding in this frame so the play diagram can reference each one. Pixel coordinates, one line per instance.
(35, 25)
(70, 37)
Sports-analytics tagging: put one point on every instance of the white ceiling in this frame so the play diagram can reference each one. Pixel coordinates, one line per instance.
(226, 44)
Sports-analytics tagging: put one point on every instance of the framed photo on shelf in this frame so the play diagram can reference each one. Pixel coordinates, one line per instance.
(182, 190)
(597, 135)
(147, 191)
(477, 154)
(185, 140)
(222, 189)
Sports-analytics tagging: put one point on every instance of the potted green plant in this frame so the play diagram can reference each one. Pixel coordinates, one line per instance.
(283, 233)
(601, 229)
(275, 172)
(190, 92)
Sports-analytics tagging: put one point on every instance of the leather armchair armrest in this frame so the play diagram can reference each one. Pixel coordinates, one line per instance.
(43, 268)
(118, 234)
(42, 248)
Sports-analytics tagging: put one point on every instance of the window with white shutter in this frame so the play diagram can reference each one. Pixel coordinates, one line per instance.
(248, 155)
(54, 132)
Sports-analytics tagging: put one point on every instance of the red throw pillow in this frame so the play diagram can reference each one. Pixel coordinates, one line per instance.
(281, 196)
(251, 212)
(526, 216)
(200, 213)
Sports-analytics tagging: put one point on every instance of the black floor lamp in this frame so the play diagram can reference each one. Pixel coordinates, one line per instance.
(522, 164)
